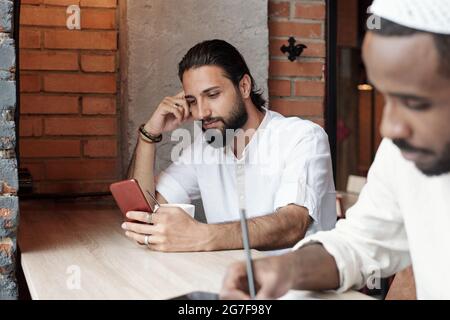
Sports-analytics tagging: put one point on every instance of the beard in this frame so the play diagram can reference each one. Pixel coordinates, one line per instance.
(221, 137)
(441, 165)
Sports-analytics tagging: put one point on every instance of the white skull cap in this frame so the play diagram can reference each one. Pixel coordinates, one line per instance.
(425, 15)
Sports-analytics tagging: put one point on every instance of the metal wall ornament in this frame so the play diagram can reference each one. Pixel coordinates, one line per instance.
(294, 50)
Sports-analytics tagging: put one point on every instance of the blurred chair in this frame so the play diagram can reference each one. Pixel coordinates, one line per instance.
(346, 199)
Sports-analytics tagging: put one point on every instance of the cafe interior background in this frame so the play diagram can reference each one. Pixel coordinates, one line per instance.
(72, 99)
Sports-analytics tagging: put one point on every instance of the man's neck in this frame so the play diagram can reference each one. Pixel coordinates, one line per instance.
(255, 117)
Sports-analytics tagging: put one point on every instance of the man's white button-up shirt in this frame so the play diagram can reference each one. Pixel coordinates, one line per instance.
(287, 161)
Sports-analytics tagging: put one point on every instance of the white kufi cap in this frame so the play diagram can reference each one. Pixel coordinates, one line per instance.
(425, 15)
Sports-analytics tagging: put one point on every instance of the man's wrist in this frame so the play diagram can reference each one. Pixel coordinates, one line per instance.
(151, 130)
(148, 136)
(295, 274)
(224, 236)
(206, 237)
(315, 268)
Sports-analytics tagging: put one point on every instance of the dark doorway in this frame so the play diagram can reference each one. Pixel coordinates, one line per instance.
(357, 105)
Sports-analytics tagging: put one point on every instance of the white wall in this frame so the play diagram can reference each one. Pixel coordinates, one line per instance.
(159, 34)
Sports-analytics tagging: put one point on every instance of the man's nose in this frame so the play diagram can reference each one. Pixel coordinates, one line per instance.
(204, 112)
(394, 124)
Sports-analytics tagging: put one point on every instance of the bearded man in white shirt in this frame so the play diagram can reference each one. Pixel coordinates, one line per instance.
(278, 169)
(402, 216)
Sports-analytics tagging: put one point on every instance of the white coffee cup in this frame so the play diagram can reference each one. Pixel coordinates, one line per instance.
(189, 208)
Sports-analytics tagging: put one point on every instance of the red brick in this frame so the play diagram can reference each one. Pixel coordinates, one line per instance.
(288, 68)
(91, 49)
(29, 38)
(100, 148)
(30, 127)
(89, 169)
(31, 2)
(30, 83)
(279, 9)
(99, 3)
(36, 169)
(98, 19)
(100, 40)
(313, 49)
(39, 60)
(297, 29)
(310, 88)
(297, 108)
(96, 105)
(279, 87)
(40, 104)
(80, 83)
(32, 148)
(64, 3)
(6, 246)
(80, 126)
(98, 63)
(310, 10)
(57, 17)
(6, 188)
(41, 16)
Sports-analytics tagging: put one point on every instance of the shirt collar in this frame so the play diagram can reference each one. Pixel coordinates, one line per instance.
(267, 116)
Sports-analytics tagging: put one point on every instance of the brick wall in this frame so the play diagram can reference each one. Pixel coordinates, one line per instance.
(69, 113)
(69, 119)
(8, 164)
(297, 88)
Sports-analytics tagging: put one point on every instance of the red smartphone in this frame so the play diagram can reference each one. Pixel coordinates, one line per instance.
(129, 196)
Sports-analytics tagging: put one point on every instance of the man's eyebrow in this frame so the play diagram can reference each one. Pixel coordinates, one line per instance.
(206, 91)
(210, 89)
(406, 96)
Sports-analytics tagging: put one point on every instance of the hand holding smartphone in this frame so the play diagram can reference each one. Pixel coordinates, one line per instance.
(129, 197)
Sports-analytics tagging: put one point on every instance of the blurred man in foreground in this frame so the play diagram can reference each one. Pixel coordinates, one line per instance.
(403, 214)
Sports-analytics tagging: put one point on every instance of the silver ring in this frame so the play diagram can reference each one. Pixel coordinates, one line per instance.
(146, 240)
(149, 218)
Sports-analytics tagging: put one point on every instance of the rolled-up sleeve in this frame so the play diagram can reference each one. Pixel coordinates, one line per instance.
(307, 179)
(179, 183)
(371, 242)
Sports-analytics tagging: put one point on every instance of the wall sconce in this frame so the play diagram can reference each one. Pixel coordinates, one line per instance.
(294, 50)
(365, 87)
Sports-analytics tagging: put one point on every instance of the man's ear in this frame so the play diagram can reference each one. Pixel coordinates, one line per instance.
(245, 86)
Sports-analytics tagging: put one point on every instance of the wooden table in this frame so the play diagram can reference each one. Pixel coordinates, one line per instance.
(77, 250)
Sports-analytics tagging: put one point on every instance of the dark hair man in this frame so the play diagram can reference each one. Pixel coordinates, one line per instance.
(277, 168)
